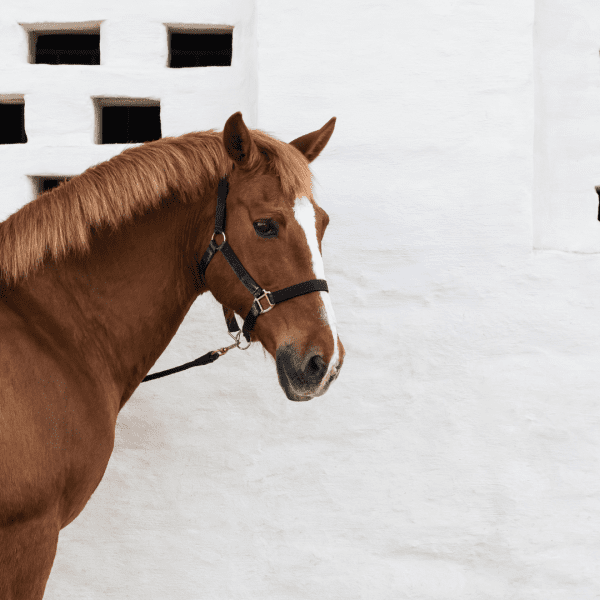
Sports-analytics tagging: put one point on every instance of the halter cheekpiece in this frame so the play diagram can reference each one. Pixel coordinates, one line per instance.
(264, 300)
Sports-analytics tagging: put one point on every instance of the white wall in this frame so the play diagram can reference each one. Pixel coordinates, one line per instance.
(567, 118)
(457, 455)
(59, 106)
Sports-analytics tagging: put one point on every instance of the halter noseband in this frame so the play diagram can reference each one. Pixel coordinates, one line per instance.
(264, 300)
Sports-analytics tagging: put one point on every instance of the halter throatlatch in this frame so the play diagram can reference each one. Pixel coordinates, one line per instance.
(264, 300)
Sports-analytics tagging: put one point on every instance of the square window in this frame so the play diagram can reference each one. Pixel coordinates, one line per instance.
(67, 49)
(127, 120)
(64, 43)
(49, 183)
(43, 183)
(210, 47)
(12, 120)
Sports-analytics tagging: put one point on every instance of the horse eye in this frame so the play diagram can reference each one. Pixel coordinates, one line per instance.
(266, 228)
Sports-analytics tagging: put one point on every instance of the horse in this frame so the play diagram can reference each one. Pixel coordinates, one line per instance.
(96, 277)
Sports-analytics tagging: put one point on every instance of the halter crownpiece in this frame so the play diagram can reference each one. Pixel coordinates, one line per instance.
(264, 300)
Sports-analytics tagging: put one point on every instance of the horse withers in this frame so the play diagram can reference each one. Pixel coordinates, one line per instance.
(97, 275)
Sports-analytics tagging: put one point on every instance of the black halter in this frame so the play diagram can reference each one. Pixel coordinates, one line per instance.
(264, 300)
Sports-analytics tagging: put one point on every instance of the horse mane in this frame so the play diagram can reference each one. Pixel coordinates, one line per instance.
(135, 181)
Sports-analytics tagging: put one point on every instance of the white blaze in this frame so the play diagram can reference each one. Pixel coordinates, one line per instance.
(304, 212)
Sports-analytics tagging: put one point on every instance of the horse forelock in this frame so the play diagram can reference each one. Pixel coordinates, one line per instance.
(132, 183)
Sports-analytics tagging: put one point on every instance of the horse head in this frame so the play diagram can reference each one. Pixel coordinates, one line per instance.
(275, 229)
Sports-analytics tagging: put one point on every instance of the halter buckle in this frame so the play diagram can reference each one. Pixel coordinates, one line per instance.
(261, 309)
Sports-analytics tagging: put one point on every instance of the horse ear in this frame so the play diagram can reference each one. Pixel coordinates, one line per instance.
(311, 144)
(238, 141)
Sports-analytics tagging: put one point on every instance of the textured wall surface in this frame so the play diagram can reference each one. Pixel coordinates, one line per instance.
(567, 125)
(457, 456)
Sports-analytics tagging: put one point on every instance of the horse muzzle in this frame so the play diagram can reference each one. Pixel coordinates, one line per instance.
(303, 377)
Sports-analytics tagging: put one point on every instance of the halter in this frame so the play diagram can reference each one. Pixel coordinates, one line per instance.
(264, 300)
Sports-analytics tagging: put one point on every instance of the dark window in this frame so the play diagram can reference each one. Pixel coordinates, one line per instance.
(12, 123)
(48, 183)
(201, 50)
(130, 124)
(67, 49)
(43, 183)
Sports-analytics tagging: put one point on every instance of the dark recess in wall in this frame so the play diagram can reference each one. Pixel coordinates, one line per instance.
(67, 48)
(200, 49)
(12, 123)
(43, 183)
(130, 124)
(48, 183)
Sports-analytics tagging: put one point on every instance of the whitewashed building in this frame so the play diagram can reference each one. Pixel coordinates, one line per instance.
(457, 456)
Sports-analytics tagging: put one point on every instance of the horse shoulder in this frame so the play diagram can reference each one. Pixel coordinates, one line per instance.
(56, 429)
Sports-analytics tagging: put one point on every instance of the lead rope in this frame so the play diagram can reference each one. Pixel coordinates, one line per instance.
(205, 359)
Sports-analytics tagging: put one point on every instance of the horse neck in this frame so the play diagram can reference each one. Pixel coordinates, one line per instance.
(119, 305)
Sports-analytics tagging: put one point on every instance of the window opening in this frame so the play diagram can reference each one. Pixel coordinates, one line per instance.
(43, 183)
(68, 49)
(12, 119)
(127, 120)
(200, 46)
(64, 43)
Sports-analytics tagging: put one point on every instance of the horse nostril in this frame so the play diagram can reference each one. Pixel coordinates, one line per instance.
(316, 368)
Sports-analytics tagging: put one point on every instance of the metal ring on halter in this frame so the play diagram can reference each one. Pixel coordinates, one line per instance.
(224, 239)
(244, 347)
(238, 341)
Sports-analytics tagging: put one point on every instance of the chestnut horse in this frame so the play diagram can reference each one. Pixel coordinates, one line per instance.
(95, 278)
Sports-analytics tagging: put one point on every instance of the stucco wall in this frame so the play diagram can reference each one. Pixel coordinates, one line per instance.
(457, 455)
(567, 125)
